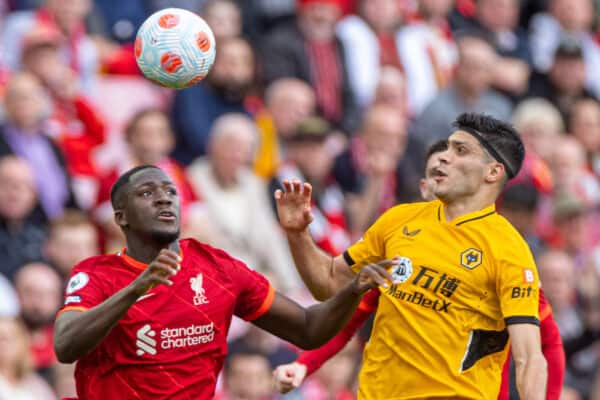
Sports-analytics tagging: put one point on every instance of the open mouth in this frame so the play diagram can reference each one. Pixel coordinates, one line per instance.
(439, 175)
(166, 216)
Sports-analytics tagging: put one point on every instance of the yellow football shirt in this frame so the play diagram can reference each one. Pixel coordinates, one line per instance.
(440, 329)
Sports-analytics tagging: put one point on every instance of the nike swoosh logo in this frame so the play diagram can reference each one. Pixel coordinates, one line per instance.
(410, 234)
(145, 296)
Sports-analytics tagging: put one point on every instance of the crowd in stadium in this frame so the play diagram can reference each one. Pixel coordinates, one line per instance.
(344, 94)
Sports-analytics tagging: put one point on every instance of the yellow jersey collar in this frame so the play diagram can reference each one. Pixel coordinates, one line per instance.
(472, 216)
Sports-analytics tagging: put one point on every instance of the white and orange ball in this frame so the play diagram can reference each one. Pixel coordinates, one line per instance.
(175, 48)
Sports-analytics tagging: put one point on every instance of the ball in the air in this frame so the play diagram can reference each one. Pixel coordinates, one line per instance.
(175, 48)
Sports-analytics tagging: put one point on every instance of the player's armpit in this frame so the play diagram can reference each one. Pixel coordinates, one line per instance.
(530, 364)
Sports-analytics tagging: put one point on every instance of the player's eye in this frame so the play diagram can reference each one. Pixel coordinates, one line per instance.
(147, 193)
(172, 191)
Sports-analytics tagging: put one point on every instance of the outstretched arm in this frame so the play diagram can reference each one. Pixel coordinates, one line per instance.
(311, 327)
(76, 333)
(323, 274)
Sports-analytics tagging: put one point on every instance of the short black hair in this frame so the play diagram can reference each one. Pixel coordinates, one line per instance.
(501, 136)
(115, 192)
(437, 147)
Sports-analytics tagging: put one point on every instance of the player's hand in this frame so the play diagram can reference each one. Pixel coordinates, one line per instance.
(293, 205)
(289, 376)
(373, 275)
(163, 267)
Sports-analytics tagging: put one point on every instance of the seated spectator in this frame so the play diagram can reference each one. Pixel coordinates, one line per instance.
(380, 167)
(391, 89)
(224, 17)
(24, 136)
(471, 91)
(149, 141)
(564, 83)
(18, 380)
(247, 376)
(195, 109)
(21, 238)
(40, 290)
(428, 53)
(499, 19)
(310, 159)
(71, 239)
(68, 17)
(229, 189)
(369, 40)
(571, 19)
(288, 101)
(310, 50)
(584, 125)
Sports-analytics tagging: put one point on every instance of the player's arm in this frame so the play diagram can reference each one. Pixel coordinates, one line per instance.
(76, 333)
(311, 327)
(323, 274)
(530, 364)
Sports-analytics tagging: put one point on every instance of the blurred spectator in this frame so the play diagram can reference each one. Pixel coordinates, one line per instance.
(309, 50)
(584, 125)
(40, 289)
(121, 20)
(9, 302)
(500, 18)
(196, 108)
(288, 102)
(310, 159)
(519, 206)
(570, 172)
(247, 376)
(377, 171)
(23, 135)
(149, 140)
(260, 17)
(68, 17)
(369, 40)
(224, 17)
(566, 19)
(21, 240)
(18, 381)
(564, 83)
(229, 189)
(427, 52)
(71, 239)
(391, 89)
(470, 92)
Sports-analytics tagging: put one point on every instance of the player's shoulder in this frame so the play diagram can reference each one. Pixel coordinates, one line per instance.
(411, 210)
(98, 263)
(499, 228)
(203, 251)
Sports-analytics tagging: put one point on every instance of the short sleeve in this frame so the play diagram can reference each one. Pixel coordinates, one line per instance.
(370, 248)
(256, 294)
(84, 289)
(518, 285)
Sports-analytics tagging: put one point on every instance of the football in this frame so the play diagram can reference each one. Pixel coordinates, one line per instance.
(175, 48)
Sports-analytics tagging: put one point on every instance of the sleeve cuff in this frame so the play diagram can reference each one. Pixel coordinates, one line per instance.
(521, 319)
(71, 308)
(348, 259)
(265, 306)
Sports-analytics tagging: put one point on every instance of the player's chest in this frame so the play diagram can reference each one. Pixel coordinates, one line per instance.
(439, 268)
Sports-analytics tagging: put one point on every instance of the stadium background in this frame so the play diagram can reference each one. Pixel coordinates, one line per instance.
(345, 93)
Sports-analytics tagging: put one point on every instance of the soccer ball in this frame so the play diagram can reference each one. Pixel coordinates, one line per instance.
(175, 48)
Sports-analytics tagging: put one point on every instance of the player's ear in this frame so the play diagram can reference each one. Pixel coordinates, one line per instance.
(495, 172)
(120, 218)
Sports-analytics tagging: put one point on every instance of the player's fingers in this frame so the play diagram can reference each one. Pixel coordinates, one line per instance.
(383, 272)
(167, 259)
(287, 185)
(297, 185)
(297, 380)
(374, 278)
(158, 268)
(170, 254)
(278, 194)
(306, 189)
(157, 279)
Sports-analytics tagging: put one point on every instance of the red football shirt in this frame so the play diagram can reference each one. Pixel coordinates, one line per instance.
(171, 343)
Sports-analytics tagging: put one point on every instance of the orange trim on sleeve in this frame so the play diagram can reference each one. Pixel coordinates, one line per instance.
(545, 312)
(71, 308)
(265, 306)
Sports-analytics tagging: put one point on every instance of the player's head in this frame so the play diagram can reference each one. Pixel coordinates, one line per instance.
(483, 154)
(146, 205)
(427, 183)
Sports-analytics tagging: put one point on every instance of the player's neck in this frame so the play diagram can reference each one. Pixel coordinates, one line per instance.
(458, 207)
(145, 250)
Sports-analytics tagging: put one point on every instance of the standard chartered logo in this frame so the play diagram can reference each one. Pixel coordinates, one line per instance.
(173, 338)
(145, 341)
